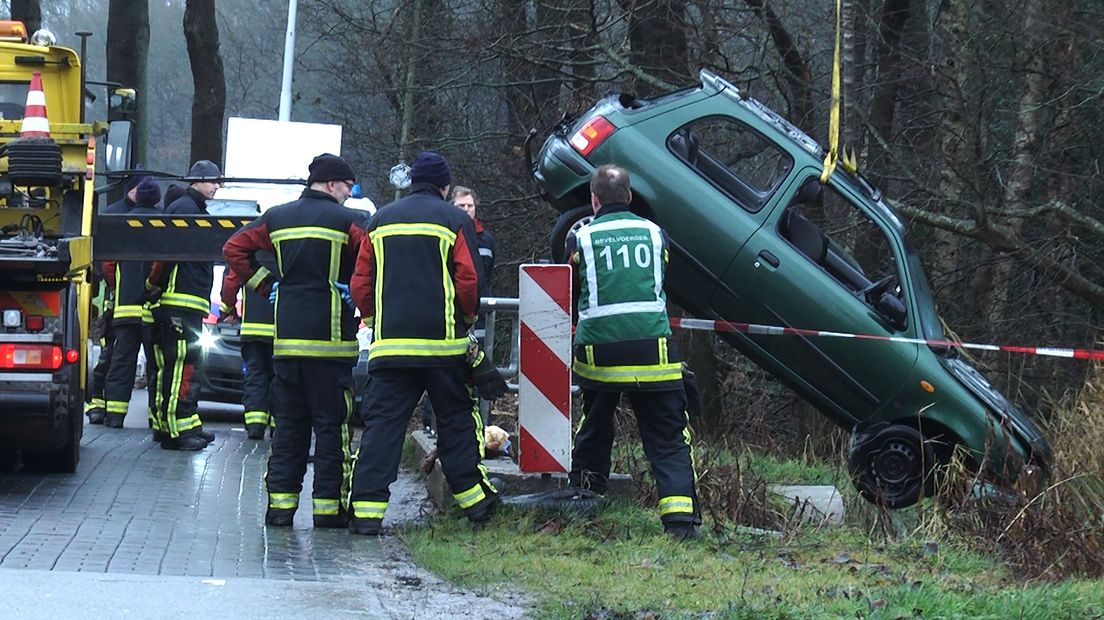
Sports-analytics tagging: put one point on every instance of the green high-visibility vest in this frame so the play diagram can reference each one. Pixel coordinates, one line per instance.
(622, 260)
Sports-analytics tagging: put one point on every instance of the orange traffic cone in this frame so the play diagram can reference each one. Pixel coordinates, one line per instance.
(35, 123)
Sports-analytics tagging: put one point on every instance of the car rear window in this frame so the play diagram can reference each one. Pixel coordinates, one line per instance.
(735, 158)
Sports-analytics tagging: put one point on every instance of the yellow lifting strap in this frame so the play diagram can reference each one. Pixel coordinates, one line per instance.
(834, 117)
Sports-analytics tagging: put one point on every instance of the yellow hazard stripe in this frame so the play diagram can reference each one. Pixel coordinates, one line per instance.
(197, 222)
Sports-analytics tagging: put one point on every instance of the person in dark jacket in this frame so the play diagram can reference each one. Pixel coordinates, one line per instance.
(256, 331)
(417, 284)
(96, 407)
(128, 278)
(315, 240)
(183, 295)
(465, 199)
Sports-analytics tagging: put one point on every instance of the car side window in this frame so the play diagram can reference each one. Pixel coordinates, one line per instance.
(837, 235)
(732, 156)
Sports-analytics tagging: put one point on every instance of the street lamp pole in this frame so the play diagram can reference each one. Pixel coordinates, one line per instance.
(289, 62)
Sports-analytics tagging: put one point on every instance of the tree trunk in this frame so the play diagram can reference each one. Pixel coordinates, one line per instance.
(798, 77)
(657, 40)
(29, 12)
(128, 38)
(209, 96)
(883, 102)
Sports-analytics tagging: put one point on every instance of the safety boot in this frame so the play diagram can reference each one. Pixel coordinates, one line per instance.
(482, 512)
(114, 420)
(255, 430)
(190, 442)
(365, 526)
(280, 517)
(207, 436)
(97, 415)
(341, 519)
(682, 532)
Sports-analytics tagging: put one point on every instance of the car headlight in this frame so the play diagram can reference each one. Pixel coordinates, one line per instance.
(208, 339)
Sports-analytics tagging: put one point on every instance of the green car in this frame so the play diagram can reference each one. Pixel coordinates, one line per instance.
(756, 238)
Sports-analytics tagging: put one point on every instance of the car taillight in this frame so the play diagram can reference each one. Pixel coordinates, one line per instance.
(30, 357)
(34, 323)
(591, 134)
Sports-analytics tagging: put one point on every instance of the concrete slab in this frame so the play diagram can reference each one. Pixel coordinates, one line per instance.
(506, 470)
(816, 503)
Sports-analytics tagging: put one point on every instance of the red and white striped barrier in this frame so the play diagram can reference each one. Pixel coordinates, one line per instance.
(544, 380)
(770, 330)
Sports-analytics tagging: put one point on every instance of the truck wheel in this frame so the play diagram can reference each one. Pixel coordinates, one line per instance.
(568, 222)
(63, 460)
(892, 465)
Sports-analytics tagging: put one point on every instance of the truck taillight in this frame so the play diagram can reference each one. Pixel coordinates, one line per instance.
(16, 356)
(72, 356)
(591, 134)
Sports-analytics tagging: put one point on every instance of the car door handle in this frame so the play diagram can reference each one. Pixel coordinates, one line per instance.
(768, 258)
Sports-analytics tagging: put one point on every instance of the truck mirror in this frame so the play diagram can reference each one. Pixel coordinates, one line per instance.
(122, 102)
(120, 136)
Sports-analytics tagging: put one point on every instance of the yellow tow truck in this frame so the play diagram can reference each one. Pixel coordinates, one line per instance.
(47, 203)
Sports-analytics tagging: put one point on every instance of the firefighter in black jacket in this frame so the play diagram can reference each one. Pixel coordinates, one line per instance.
(128, 279)
(315, 240)
(417, 284)
(256, 331)
(183, 295)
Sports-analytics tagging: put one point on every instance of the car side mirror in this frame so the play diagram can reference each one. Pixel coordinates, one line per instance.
(891, 306)
(809, 192)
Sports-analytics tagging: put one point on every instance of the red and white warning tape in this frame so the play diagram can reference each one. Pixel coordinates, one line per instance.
(770, 330)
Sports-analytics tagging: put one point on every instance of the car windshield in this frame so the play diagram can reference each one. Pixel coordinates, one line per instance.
(930, 325)
(13, 98)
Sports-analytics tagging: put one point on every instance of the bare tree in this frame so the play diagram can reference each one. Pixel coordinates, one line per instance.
(128, 37)
(29, 12)
(209, 95)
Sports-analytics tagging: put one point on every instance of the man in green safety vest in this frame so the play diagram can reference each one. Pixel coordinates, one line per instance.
(623, 346)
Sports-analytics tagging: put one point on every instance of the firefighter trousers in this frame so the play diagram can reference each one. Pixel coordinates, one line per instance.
(257, 382)
(389, 403)
(661, 418)
(153, 375)
(119, 384)
(98, 380)
(177, 349)
(311, 394)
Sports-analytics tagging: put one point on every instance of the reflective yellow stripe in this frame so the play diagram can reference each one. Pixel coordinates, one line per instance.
(471, 497)
(431, 230)
(309, 232)
(675, 504)
(450, 292)
(377, 248)
(283, 500)
(256, 417)
(147, 316)
(369, 510)
(184, 300)
(188, 423)
(127, 312)
(257, 278)
(325, 506)
(628, 374)
(174, 386)
(257, 329)
(95, 403)
(117, 406)
(292, 347)
(418, 347)
(346, 449)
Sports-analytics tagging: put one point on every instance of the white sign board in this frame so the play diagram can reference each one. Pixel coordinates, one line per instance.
(267, 149)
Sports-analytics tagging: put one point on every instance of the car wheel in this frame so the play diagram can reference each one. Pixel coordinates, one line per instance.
(892, 465)
(568, 222)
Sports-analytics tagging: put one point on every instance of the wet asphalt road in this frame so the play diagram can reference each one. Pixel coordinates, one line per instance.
(139, 531)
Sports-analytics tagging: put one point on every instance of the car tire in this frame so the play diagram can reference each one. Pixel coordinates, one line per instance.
(892, 465)
(568, 222)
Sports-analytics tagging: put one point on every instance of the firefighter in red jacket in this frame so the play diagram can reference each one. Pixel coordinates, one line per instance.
(416, 283)
(255, 329)
(315, 240)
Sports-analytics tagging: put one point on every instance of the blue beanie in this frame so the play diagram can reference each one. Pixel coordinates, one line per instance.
(429, 167)
(149, 193)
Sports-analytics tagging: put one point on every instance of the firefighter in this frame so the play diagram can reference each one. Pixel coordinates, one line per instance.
(182, 292)
(315, 240)
(128, 279)
(256, 345)
(622, 346)
(96, 407)
(417, 283)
